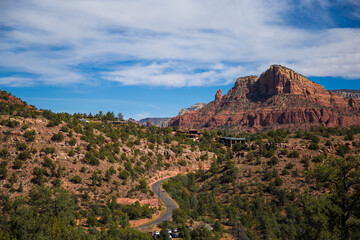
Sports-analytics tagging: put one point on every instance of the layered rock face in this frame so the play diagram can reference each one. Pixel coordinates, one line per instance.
(194, 107)
(280, 97)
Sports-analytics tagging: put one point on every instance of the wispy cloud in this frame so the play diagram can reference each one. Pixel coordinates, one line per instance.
(167, 43)
(172, 75)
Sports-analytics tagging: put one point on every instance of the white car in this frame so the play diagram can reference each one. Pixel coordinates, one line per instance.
(169, 232)
(156, 233)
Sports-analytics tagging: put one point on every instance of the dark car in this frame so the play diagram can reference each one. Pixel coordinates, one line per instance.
(174, 235)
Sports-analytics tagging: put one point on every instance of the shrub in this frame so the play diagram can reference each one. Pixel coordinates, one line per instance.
(278, 181)
(10, 123)
(76, 179)
(21, 146)
(273, 161)
(72, 142)
(313, 146)
(64, 128)
(143, 187)
(284, 152)
(124, 174)
(38, 176)
(48, 150)
(23, 155)
(289, 166)
(30, 136)
(328, 143)
(71, 153)
(91, 159)
(182, 162)
(349, 137)
(317, 159)
(4, 153)
(3, 170)
(294, 154)
(17, 164)
(56, 182)
(57, 137)
(49, 163)
(342, 150)
(305, 161)
(54, 122)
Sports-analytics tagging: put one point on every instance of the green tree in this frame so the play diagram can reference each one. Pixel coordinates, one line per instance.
(341, 177)
(120, 117)
(164, 235)
(184, 233)
(179, 216)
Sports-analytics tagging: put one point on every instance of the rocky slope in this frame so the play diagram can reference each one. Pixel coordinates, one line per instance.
(280, 97)
(347, 93)
(7, 98)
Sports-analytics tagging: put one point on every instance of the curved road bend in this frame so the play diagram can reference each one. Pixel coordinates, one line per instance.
(169, 203)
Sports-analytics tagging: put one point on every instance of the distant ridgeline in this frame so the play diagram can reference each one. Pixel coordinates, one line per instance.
(347, 93)
(160, 122)
(164, 121)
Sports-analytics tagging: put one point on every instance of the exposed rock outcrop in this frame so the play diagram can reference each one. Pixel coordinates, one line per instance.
(218, 95)
(194, 107)
(280, 97)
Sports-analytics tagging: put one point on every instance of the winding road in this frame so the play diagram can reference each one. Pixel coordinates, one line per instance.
(169, 203)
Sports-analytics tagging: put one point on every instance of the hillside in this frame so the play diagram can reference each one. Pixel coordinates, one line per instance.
(279, 98)
(95, 163)
(67, 178)
(278, 185)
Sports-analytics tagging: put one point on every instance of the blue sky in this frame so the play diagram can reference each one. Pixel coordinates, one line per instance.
(152, 57)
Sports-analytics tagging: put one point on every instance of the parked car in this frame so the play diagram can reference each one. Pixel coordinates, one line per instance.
(169, 231)
(156, 233)
(174, 230)
(174, 235)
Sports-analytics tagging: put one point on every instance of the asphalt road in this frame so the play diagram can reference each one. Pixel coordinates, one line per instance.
(169, 203)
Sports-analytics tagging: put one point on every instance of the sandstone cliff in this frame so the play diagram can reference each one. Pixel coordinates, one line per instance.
(280, 97)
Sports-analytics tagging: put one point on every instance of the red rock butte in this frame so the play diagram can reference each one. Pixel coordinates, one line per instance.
(279, 98)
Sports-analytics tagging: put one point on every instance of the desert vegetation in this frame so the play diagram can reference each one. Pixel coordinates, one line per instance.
(61, 176)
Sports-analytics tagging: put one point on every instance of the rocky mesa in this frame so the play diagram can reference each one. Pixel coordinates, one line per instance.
(279, 98)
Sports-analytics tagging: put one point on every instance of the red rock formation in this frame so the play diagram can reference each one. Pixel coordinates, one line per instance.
(280, 97)
(218, 95)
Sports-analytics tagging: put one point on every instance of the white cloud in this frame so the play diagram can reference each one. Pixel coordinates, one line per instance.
(167, 74)
(15, 81)
(167, 41)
